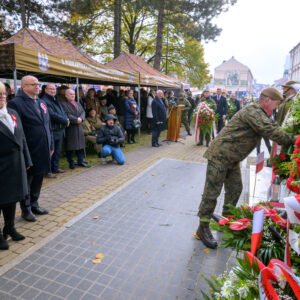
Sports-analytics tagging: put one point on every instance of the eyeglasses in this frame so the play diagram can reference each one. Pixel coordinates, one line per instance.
(3, 94)
(33, 84)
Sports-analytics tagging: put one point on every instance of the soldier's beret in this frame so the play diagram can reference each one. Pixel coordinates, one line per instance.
(272, 93)
(290, 83)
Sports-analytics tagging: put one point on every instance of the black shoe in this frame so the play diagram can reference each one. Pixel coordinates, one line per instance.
(84, 164)
(3, 243)
(13, 233)
(72, 165)
(59, 171)
(133, 141)
(205, 235)
(130, 142)
(39, 210)
(50, 175)
(155, 145)
(199, 144)
(28, 216)
(189, 133)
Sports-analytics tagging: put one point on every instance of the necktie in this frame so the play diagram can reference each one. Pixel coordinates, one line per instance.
(37, 107)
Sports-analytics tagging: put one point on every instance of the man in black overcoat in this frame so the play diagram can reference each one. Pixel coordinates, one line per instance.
(221, 109)
(159, 120)
(37, 128)
(59, 121)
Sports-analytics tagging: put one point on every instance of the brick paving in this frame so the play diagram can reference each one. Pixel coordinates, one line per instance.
(134, 221)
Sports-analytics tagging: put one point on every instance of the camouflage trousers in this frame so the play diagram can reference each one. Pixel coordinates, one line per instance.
(185, 122)
(218, 175)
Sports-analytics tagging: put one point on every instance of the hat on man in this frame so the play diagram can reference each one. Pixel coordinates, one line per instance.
(109, 117)
(272, 93)
(110, 107)
(290, 84)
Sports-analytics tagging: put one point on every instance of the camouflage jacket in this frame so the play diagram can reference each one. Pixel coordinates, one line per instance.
(283, 110)
(241, 135)
(187, 105)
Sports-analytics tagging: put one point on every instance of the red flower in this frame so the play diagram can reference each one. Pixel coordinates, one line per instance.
(291, 187)
(269, 212)
(296, 151)
(225, 220)
(240, 224)
(280, 221)
(297, 142)
(282, 156)
(14, 118)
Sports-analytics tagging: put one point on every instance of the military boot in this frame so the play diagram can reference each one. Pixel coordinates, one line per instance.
(205, 235)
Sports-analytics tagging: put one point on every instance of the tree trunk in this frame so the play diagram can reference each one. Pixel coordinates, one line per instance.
(117, 28)
(159, 36)
(23, 13)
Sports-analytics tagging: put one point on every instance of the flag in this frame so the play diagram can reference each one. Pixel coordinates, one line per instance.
(287, 250)
(257, 230)
(292, 207)
(259, 162)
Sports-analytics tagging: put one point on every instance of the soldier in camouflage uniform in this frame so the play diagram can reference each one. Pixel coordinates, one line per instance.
(233, 144)
(289, 92)
(211, 103)
(184, 115)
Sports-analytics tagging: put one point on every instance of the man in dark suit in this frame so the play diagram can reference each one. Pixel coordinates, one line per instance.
(59, 121)
(221, 109)
(36, 124)
(159, 120)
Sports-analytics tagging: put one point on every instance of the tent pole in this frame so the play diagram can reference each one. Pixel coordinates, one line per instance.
(77, 88)
(139, 100)
(15, 81)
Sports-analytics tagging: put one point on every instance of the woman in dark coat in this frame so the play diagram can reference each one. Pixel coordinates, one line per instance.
(14, 160)
(131, 114)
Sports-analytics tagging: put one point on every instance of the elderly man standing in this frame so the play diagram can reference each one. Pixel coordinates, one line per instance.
(289, 92)
(59, 121)
(159, 119)
(233, 144)
(36, 124)
(75, 140)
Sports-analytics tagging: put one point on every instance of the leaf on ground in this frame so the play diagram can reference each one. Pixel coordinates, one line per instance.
(99, 256)
(153, 174)
(95, 217)
(165, 224)
(206, 250)
(96, 261)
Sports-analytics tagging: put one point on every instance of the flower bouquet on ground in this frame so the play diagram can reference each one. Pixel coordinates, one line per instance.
(205, 119)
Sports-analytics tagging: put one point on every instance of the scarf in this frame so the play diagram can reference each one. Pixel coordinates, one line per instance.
(6, 119)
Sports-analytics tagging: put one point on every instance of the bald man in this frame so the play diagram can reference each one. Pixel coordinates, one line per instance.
(59, 121)
(159, 120)
(36, 123)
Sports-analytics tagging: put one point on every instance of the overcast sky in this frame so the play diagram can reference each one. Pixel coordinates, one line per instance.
(259, 34)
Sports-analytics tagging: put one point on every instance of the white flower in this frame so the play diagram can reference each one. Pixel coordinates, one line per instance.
(226, 292)
(243, 292)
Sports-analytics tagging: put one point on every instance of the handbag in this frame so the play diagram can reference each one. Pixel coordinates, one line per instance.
(137, 123)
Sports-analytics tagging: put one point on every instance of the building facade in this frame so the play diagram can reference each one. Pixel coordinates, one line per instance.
(234, 77)
(295, 63)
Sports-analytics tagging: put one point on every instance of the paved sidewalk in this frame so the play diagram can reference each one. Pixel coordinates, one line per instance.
(144, 231)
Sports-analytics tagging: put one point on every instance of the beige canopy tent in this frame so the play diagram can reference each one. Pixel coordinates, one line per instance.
(148, 75)
(56, 60)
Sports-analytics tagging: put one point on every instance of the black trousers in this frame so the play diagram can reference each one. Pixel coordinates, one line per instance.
(56, 155)
(156, 130)
(9, 212)
(35, 183)
(131, 134)
(79, 153)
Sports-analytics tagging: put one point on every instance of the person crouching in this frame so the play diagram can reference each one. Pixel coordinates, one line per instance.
(111, 136)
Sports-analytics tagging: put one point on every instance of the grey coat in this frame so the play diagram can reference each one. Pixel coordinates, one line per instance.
(74, 139)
